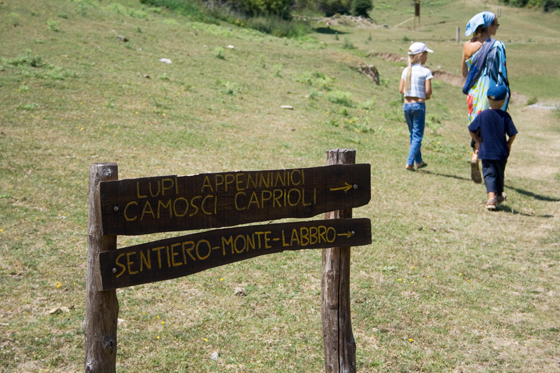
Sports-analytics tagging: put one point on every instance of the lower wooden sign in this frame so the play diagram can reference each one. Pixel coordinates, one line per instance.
(186, 255)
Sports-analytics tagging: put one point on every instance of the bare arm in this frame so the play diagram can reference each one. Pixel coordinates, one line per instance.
(401, 87)
(428, 88)
(510, 141)
(464, 67)
(476, 140)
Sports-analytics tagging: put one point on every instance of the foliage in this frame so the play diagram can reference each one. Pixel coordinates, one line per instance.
(546, 5)
(361, 8)
(14, 18)
(332, 7)
(53, 25)
(270, 16)
(340, 98)
(192, 9)
(276, 8)
(278, 27)
(347, 44)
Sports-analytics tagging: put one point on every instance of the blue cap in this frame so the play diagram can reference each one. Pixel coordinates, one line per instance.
(483, 18)
(497, 92)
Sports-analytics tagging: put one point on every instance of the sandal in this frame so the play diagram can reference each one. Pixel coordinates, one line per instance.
(475, 173)
(409, 168)
(491, 204)
(421, 165)
(501, 199)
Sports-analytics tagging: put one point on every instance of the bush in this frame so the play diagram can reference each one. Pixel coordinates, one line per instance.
(267, 16)
(276, 8)
(332, 7)
(278, 27)
(551, 5)
(340, 98)
(191, 9)
(547, 5)
(361, 8)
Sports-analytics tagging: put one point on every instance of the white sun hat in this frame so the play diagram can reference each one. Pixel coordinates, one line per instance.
(418, 47)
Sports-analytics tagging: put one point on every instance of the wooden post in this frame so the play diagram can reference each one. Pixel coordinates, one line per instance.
(458, 34)
(338, 341)
(416, 13)
(102, 307)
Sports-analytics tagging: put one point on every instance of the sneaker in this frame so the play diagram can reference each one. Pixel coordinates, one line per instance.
(501, 199)
(475, 172)
(491, 204)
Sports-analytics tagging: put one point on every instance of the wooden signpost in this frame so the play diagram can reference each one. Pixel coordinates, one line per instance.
(172, 203)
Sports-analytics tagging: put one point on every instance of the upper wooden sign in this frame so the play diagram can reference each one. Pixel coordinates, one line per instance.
(172, 203)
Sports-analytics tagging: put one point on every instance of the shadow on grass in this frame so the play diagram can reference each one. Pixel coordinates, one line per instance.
(533, 195)
(517, 212)
(328, 31)
(518, 190)
(445, 175)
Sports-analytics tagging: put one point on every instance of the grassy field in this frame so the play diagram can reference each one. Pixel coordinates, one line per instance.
(444, 287)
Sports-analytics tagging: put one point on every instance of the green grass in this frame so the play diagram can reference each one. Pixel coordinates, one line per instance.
(445, 286)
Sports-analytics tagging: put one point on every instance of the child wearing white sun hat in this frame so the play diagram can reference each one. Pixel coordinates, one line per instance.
(416, 86)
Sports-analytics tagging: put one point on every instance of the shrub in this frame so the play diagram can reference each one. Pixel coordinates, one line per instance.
(547, 5)
(14, 18)
(347, 44)
(332, 7)
(341, 98)
(361, 8)
(532, 100)
(279, 27)
(53, 25)
(551, 5)
(219, 53)
(277, 8)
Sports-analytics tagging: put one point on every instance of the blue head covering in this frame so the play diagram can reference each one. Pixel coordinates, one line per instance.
(483, 18)
(497, 92)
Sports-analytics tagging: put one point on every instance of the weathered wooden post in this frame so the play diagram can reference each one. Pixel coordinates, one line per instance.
(102, 307)
(416, 13)
(338, 341)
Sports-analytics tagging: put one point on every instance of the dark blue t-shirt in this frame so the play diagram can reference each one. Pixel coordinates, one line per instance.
(494, 125)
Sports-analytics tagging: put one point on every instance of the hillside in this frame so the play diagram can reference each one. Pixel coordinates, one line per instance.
(445, 286)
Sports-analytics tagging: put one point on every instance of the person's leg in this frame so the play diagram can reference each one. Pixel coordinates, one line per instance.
(407, 109)
(500, 168)
(419, 125)
(417, 113)
(475, 170)
(490, 172)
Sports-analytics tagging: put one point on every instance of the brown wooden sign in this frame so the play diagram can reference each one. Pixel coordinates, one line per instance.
(172, 203)
(186, 255)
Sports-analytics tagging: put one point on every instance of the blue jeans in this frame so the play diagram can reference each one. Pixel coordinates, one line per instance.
(415, 115)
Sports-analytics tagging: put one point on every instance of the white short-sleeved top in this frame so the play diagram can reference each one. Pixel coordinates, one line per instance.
(417, 80)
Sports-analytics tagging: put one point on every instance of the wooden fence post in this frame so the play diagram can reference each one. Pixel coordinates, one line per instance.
(338, 341)
(102, 307)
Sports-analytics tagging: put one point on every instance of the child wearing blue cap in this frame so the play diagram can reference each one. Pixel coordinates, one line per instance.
(416, 86)
(489, 130)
